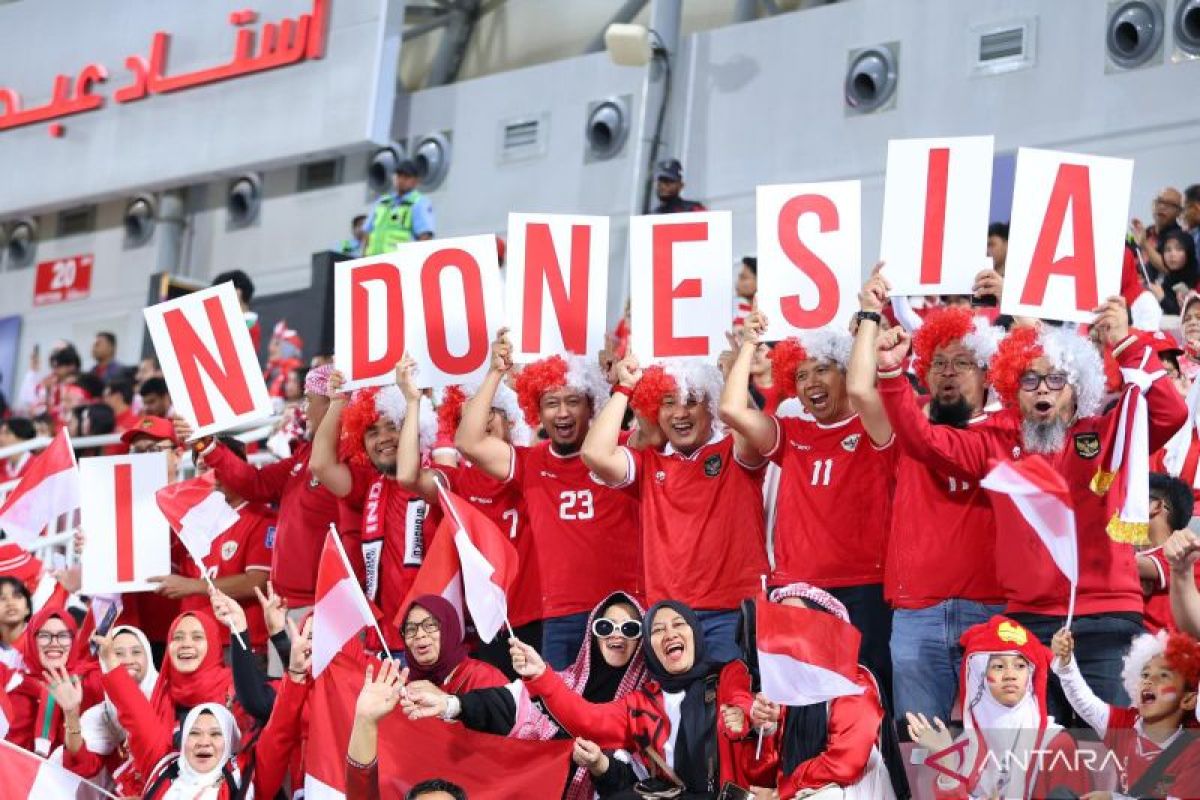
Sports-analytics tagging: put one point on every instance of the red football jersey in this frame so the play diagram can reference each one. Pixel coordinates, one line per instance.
(942, 542)
(585, 538)
(834, 503)
(703, 526)
(502, 503)
(244, 547)
(1157, 613)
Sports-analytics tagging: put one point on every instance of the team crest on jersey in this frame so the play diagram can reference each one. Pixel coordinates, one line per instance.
(270, 537)
(850, 443)
(228, 550)
(712, 466)
(313, 482)
(1016, 452)
(1087, 445)
(296, 468)
(660, 477)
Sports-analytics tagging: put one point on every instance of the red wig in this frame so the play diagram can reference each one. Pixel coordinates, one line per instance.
(359, 415)
(648, 395)
(1183, 656)
(449, 413)
(1014, 355)
(941, 327)
(786, 358)
(535, 380)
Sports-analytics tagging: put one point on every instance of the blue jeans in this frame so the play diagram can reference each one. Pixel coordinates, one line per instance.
(1101, 642)
(561, 639)
(926, 656)
(720, 635)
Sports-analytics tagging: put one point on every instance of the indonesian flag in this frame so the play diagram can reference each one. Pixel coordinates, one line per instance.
(341, 609)
(197, 512)
(487, 766)
(470, 556)
(49, 488)
(26, 775)
(805, 656)
(1044, 501)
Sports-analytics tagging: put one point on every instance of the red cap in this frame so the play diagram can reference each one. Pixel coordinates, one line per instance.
(154, 427)
(1161, 341)
(17, 562)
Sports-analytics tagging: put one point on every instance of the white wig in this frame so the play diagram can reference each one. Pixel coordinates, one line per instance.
(828, 344)
(1145, 647)
(1078, 357)
(983, 340)
(390, 403)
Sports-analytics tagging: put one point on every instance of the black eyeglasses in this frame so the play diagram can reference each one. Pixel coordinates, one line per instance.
(629, 629)
(51, 637)
(960, 364)
(1030, 381)
(429, 625)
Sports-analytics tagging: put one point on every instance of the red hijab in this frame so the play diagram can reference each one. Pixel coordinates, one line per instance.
(48, 717)
(212, 682)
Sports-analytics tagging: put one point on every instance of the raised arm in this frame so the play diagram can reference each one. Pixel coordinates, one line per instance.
(601, 449)
(750, 425)
(282, 735)
(409, 473)
(1182, 551)
(491, 454)
(860, 375)
(1090, 708)
(323, 461)
(149, 738)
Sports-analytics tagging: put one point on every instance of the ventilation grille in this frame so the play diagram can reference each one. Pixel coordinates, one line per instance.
(75, 221)
(523, 137)
(319, 174)
(1002, 48)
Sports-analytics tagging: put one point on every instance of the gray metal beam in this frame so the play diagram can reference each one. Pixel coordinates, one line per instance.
(624, 15)
(453, 47)
(745, 11)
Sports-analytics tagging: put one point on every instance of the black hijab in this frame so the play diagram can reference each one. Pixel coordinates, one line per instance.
(1188, 274)
(604, 679)
(696, 743)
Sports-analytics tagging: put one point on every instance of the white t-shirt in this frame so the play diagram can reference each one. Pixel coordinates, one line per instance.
(673, 704)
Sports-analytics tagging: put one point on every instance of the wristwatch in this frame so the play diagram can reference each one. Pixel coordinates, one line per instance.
(874, 316)
(453, 708)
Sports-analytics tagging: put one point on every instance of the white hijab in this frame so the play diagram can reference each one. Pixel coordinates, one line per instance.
(102, 731)
(1003, 730)
(194, 785)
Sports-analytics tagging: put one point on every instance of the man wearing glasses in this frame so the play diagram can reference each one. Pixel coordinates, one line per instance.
(1168, 204)
(1051, 382)
(940, 569)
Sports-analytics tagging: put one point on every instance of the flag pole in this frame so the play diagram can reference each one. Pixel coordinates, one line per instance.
(1071, 607)
(81, 779)
(337, 541)
(205, 573)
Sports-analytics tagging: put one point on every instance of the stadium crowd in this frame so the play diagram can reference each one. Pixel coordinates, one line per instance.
(651, 505)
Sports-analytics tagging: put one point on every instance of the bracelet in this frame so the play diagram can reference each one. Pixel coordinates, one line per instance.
(359, 765)
(874, 316)
(302, 673)
(894, 373)
(75, 731)
(625, 390)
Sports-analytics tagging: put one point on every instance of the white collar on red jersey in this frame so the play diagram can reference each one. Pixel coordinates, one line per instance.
(668, 450)
(827, 426)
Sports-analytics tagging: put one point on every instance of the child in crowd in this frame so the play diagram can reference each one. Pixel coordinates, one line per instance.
(1155, 740)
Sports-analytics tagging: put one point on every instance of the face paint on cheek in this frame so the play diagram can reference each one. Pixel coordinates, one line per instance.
(1168, 694)
(993, 680)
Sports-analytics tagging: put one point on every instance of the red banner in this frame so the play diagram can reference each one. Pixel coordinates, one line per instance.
(63, 280)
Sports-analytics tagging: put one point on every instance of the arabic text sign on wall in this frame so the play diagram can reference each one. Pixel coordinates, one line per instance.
(290, 41)
(62, 280)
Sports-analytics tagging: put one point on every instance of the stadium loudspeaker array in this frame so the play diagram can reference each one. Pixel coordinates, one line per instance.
(871, 78)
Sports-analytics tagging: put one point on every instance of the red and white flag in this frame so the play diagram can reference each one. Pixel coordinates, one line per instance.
(49, 487)
(470, 563)
(341, 609)
(26, 775)
(805, 656)
(197, 512)
(1042, 498)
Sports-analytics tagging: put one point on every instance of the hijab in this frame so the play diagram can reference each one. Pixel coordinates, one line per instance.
(697, 717)
(1188, 274)
(48, 721)
(194, 785)
(211, 682)
(452, 650)
(102, 731)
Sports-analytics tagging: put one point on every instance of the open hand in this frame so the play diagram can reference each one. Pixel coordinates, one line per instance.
(381, 691)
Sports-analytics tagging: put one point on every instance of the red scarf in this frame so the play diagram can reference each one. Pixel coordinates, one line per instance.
(212, 682)
(47, 724)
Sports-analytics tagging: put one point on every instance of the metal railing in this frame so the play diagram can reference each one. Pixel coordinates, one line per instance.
(54, 548)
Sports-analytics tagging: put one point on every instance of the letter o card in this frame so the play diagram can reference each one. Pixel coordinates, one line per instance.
(208, 360)
(1066, 242)
(128, 538)
(809, 255)
(680, 285)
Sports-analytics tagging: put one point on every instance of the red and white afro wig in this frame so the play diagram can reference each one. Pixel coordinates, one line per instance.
(556, 372)
(1180, 651)
(365, 410)
(449, 411)
(824, 344)
(949, 324)
(1066, 350)
(679, 377)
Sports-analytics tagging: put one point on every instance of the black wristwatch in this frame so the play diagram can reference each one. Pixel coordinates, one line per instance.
(874, 316)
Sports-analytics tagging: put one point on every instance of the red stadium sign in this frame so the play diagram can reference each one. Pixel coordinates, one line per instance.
(63, 280)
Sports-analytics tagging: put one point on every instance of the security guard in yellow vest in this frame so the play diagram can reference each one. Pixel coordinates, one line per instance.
(406, 215)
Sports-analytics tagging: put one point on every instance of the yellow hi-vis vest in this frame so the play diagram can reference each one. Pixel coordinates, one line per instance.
(392, 223)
